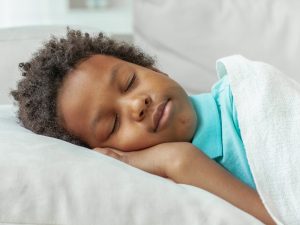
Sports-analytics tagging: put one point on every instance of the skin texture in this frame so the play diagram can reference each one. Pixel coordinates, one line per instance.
(191, 166)
(36, 93)
(87, 91)
(124, 107)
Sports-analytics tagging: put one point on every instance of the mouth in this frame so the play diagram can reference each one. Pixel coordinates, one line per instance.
(161, 115)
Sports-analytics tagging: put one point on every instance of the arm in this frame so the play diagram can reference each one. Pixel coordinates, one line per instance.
(196, 169)
(188, 165)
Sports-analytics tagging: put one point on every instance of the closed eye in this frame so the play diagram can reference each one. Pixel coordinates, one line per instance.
(116, 124)
(130, 82)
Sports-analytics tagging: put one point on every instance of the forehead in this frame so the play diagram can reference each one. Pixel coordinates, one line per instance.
(88, 75)
(76, 95)
(81, 81)
(97, 62)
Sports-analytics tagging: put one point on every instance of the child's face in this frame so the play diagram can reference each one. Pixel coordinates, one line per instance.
(108, 102)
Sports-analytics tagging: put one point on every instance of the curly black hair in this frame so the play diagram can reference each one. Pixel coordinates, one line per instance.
(36, 93)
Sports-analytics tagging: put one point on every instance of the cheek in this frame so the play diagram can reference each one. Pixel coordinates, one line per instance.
(137, 139)
(131, 140)
(186, 125)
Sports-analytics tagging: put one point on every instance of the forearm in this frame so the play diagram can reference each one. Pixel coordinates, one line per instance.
(200, 171)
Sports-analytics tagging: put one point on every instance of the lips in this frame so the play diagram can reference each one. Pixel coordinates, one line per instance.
(158, 113)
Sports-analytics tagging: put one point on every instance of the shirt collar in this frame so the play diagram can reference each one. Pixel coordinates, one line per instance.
(208, 135)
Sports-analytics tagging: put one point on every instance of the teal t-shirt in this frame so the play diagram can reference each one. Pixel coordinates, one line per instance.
(218, 134)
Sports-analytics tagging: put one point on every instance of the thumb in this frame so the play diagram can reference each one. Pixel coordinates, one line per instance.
(146, 159)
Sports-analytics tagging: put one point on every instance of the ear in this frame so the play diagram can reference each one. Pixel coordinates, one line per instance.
(157, 70)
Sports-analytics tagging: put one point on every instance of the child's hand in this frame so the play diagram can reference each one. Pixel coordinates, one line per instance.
(160, 159)
(184, 163)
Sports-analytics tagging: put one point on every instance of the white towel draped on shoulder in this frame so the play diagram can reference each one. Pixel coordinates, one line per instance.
(268, 107)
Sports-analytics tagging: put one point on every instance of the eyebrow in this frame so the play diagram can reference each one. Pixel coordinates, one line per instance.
(114, 73)
(112, 79)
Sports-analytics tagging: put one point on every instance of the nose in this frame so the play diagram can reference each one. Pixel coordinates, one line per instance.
(138, 107)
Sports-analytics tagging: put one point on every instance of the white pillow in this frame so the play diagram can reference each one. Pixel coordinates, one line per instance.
(49, 181)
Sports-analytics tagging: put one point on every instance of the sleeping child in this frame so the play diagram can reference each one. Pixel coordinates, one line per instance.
(109, 96)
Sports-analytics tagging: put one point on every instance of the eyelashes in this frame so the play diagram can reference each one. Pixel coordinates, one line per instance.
(130, 82)
(116, 122)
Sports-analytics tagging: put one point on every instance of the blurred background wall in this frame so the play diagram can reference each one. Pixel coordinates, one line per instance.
(186, 37)
(110, 16)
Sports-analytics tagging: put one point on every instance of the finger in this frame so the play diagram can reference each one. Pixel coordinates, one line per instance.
(112, 149)
(109, 152)
(148, 160)
(136, 159)
(144, 160)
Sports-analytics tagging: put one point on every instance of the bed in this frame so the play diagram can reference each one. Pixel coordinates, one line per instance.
(49, 181)
(187, 39)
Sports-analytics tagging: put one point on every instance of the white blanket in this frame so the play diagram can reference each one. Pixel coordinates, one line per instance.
(268, 106)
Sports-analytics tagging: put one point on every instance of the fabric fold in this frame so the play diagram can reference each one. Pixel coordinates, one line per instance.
(268, 108)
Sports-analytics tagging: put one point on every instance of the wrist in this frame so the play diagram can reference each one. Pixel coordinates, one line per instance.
(180, 154)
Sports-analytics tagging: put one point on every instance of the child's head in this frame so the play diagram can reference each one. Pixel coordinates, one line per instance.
(97, 92)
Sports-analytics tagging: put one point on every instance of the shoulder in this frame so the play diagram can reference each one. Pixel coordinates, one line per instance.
(221, 86)
(222, 94)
